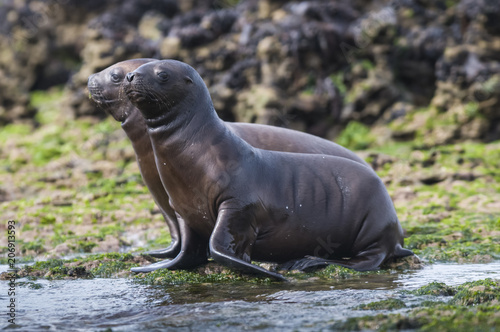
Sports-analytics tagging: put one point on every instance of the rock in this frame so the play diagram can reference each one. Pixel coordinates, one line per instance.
(406, 263)
(316, 65)
(170, 47)
(109, 244)
(432, 178)
(258, 105)
(60, 250)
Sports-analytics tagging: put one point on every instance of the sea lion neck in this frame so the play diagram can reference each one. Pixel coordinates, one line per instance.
(190, 114)
(194, 140)
(134, 124)
(190, 125)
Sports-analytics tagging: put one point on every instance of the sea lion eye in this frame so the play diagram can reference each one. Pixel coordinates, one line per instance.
(115, 78)
(162, 75)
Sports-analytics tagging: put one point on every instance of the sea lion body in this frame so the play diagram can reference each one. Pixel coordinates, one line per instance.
(106, 90)
(246, 203)
(286, 140)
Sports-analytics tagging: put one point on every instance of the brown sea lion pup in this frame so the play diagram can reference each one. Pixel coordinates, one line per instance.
(252, 204)
(106, 90)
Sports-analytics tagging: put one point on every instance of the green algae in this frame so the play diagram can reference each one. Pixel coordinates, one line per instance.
(85, 246)
(100, 194)
(215, 273)
(330, 272)
(162, 240)
(36, 246)
(437, 318)
(456, 318)
(477, 292)
(435, 288)
(46, 265)
(91, 266)
(339, 272)
(439, 225)
(112, 265)
(338, 80)
(474, 306)
(460, 237)
(168, 277)
(389, 304)
(14, 129)
(355, 136)
(29, 284)
(44, 165)
(432, 126)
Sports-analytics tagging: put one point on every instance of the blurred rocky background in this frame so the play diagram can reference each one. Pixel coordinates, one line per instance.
(422, 70)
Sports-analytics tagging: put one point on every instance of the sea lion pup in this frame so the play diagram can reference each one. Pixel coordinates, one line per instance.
(246, 203)
(106, 91)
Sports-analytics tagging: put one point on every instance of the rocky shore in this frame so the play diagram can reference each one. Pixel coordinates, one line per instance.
(308, 65)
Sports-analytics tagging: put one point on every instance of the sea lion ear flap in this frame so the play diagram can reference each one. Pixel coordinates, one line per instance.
(188, 80)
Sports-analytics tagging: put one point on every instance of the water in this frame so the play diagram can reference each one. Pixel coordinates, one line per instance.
(122, 305)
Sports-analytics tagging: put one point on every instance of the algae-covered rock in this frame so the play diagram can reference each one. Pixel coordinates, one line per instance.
(386, 59)
(477, 292)
(473, 307)
(388, 304)
(99, 265)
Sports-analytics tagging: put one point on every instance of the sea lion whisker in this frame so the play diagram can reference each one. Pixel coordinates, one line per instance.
(145, 90)
(163, 100)
(122, 95)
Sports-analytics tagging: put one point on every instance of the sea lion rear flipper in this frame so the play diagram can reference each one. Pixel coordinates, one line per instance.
(304, 264)
(309, 263)
(365, 261)
(401, 252)
(231, 224)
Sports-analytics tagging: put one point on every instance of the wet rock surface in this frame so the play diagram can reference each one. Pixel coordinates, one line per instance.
(308, 65)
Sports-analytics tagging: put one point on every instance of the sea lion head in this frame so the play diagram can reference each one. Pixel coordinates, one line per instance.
(106, 88)
(159, 87)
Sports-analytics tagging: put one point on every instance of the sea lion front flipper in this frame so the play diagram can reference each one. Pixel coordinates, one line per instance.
(231, 224)
(175, 244)
(155, 266)
(170, 252)
(193, 252)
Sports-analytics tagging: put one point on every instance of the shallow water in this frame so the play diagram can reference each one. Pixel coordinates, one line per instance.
(122, 305)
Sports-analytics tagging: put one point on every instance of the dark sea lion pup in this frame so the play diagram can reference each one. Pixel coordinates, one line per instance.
(251, 204)
(106, 90)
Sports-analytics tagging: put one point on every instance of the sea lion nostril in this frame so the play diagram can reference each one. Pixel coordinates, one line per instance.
(130, 77)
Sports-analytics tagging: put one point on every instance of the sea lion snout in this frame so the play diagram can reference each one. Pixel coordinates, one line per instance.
(92, 82)
(130, 77)
(95, 89)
